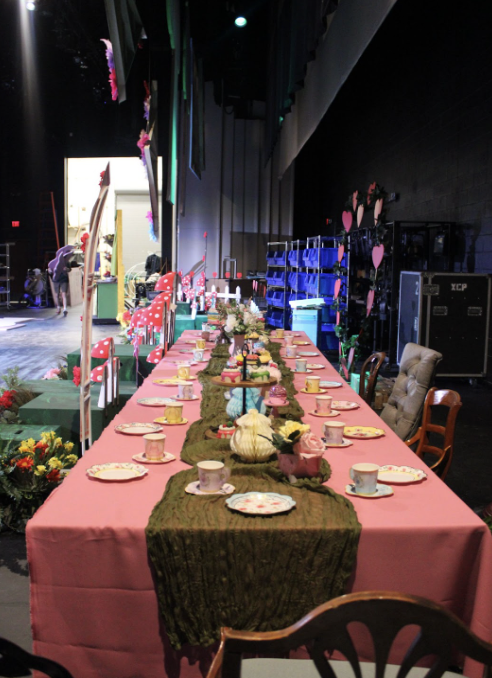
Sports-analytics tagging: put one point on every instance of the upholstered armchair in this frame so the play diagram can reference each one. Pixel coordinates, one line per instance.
(403, 410)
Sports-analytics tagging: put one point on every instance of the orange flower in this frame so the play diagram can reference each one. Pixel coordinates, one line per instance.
(25, 463)
(53, 476)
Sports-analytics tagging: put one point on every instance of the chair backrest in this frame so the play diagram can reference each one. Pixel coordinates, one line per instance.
(14, 661)
(371, 365)
(444, 454)
(403, 410)
(439, 634)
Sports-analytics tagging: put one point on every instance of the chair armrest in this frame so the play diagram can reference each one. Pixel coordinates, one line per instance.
(415, 438)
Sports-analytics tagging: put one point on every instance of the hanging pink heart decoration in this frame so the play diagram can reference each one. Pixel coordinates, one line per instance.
(354, 200)
(377, 255)
(339, 348)
(347, 220)
(369, 302)
(341, 252)
(378, 208)
(336, 289)
(338, 318)
(360, 214)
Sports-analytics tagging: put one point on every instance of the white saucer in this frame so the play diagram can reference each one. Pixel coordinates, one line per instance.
(299, 372)
(346, 443)
(381, 491)
(143, 459)
(183, 400)
(194, 488)
(316, 414)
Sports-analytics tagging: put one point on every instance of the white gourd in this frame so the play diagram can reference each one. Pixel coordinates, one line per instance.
(247, 441)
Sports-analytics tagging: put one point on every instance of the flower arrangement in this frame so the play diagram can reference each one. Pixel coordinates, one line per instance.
(112, 69)
(13, 397)
(29, 472)
(239, 318)
(288, 436)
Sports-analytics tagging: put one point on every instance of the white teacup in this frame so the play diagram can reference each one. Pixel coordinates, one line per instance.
(280, 334)
(174, 413)
(301, 364)
(323, 404)
(365, 477)
(289, 338)
(198, 354)
(154, 445)
(333, 431)
(291, 351)
(200, 343)
(212, 475)
(185, 391)
(312, 384)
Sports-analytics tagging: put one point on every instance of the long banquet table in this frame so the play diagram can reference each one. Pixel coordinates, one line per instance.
(93, 603)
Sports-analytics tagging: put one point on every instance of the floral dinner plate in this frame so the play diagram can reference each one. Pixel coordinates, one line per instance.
(260, 503)
(315, 366)
(344, 405)
(400, 475)
(116, 471)
(155, 402)
(330, 384)
(363, 432)
(142, 459)
(136, 428)
(307, 354)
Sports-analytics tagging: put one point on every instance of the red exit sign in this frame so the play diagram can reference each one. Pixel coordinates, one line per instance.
(15, 224)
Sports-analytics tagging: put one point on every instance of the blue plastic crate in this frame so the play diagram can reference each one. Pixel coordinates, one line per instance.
(270, 276)
(270, 295)
(326, 284)
(306, 256)
(270, 256)
(297, 281)
(327, 256)
(280, 258)
(328, 314)
(295, 258)
(279, 277)
(278, 298)
(329, 341)
(294, 296)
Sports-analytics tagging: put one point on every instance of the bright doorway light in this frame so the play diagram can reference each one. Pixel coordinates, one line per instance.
(240, 21)
(31, 6)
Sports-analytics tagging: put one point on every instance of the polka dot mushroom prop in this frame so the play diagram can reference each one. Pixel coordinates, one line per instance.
(165, 283)
(101, 348)
(155, 356)
(97, 373)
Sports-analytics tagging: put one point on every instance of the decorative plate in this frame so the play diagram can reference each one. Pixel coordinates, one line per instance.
(188, 351)
(363, 432)
(381, 491)
(314, 393)
(330, 384)
(194, 488)
(191, 341)
(260, 503)
(292, 334)
(344, 405)
(316, 366)
(345, 443)
(301, 343)
(178, 379)
(298, 372)
(400, 475)
(193, 397)
(136, 428)
(116, 471)
(307, 354)
(165, 422)
(143, 459)
(316, 414)
(168, 382)
(155, 402)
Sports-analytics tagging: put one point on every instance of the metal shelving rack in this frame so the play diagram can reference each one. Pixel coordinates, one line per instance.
(5, 273)
(286, 246)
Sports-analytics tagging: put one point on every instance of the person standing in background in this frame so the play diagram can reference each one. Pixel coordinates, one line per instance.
(58, 269)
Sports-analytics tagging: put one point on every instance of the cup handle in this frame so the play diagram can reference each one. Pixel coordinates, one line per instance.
(226, 474)
(351, 474)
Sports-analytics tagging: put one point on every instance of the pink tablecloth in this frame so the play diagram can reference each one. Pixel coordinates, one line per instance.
(93, 603)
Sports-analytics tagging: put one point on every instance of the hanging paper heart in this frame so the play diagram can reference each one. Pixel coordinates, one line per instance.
(370, 191)
(377, 255)
(354, 200)
(378, 208)
(336, 289)
(338, 318)
(214, 274)
(369, 302)
(344, 368)
(360, 214)
(341, 252)
(347, 220)
(351, 356)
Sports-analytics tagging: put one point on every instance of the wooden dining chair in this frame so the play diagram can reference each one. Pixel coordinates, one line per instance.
(14, 661)
(371, 365)
(433, 633)
(444, 454)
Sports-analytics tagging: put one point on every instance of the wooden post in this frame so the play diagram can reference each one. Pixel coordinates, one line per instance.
(119, 259)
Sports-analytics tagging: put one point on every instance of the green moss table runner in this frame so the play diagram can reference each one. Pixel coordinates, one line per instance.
(216, 567)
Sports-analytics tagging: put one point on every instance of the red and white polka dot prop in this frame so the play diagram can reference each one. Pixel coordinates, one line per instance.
(101, 349)
(155, 356)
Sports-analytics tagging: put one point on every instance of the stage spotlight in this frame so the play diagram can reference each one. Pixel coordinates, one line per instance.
(240, 21)
(31, 6)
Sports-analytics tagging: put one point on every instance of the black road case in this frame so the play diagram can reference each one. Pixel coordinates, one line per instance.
(448, 312)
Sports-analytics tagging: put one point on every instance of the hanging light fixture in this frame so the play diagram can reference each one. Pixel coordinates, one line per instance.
(240, 21)
(30, 5)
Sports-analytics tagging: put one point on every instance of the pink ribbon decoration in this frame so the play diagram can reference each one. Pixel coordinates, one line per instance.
(360, 214)
(370, 191)
(377, 255)
(338, 318)
(341, 252)
(347, 219)
(354, 200)
(369, 302)
(378, 208)
(336, 289)
(344, 368)
(351, 356)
